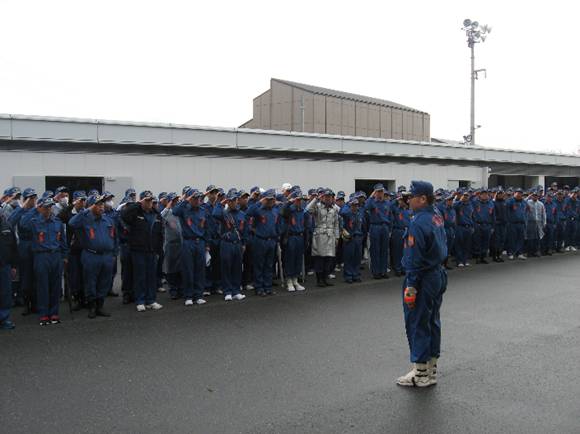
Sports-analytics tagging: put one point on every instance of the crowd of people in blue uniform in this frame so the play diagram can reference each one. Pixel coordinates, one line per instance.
(213, 241)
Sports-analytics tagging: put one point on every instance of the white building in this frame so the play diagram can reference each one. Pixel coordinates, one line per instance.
(47, 152)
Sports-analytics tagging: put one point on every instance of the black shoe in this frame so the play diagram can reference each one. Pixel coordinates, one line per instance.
(79, 305)
(384, 276)
(102, 312)
(261, 294)
(326, 281)
(377, 276)
(320, 281)
(111, 293)
(483, 261)
(348, 281)
(92, 310)
(127, 299)
(357, 280)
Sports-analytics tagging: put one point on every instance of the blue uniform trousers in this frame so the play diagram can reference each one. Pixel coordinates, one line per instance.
(264, 254)
(450, 237)
(352, 254)
(463, 240)
(97, 274)
(231, 267)
(126, 271)
(516, 238)
(397, 248)
(570, 233)
(5, 292)
(481, 238)
(144, 266)
(75, 275)
(548, 240)
(560, 234)
(379, 249)
(26, 272)
(423, 323)
(498, 239)
(48, 280)
(193, 268)
(294, 256)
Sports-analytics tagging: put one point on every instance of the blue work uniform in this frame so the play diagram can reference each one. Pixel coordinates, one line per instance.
(293, 226)
(196, 236)
(464, 231)
(499, 228)
(25, 258)
(98, 237)
(425, 251)
(49, 249)
(549, 234)
(517, 214)
(571, 211)
(450, 224)
(380, 219)
(265, 222)
(8, 260)
(353, 222)
(561, 219)
(232, 230)
(401, 220)
(484, 218)
(213, 273)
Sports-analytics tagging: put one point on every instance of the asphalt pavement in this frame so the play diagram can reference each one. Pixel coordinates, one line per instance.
(323, 361)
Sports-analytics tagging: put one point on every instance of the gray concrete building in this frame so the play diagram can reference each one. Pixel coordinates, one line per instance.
(290, 106)
(45, 152)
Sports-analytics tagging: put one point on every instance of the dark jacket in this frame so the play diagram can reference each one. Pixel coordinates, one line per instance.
(146, 232)
(8, 247)
(72, 235)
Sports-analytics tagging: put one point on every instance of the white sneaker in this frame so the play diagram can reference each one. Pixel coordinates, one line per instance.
(239, 297)
(228, 297)
(332, 276)
(388, 270)
(467, 264)
(573, 249)
(200, 301)
(189, 302)
(503, 253)
(511, 257)
(310, 273)
(290, 285)
(161, 289)
(460, 265)
(432, 369)
(522, 257)
(140, 308)
(418, 377)
(154, 306)
(249, 288)
(297, 285)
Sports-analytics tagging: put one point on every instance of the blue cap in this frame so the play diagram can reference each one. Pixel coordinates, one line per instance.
(94, 199)
(61, 189)
(379, 187)
(420, 188)
(401, 188)
(270, 194)
(28, 192)
(221, 191)
(311, 191)
(232, 195)
(79, 194)
(519, 190)
(194, 192)
(130, 192)
(107, 195)
(210, 188)
(340, 194)
(243, 193)
(295, 194)
(162, 195)
(171, 196)
(45, 202)
(280, 197)
(185, 188)
(12, 191)
(254, 189)
(48, 193)
(94, 192)
(146, 195)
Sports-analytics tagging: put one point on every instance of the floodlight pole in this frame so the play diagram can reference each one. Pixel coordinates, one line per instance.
(472, 118)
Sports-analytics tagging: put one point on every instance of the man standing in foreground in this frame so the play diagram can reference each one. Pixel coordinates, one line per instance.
(425, 249)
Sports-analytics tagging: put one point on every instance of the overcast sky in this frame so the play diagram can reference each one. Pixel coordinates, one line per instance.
(201, 63)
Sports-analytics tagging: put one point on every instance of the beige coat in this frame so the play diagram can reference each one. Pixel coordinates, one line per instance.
(326, 229)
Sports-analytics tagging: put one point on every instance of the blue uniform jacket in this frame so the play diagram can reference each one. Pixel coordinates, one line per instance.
(464, 211)
(294, 219)
(232, 224)
(550, 213)
(265, 221)
(194, 221)
(401, 217)
(425, 246)
(500, 211)
(353, 220)
(97, 234)
(449, 216)
(517, 211)
(47, 234)
(379, 212)
(571, 208)
(483, 212)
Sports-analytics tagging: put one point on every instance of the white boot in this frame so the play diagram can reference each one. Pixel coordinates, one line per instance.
(290, 285)
(432, 369)
(297, 285)
(418, 377)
